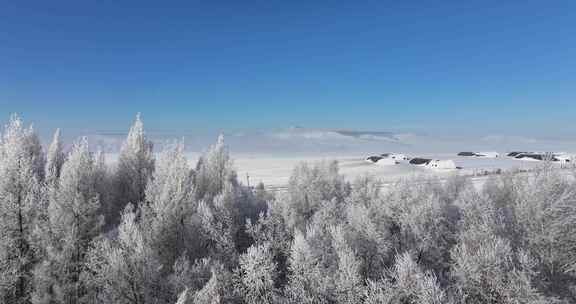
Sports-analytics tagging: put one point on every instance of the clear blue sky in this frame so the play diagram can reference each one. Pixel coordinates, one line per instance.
(373, 65)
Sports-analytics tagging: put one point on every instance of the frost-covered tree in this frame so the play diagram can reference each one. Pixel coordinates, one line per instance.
(257, 274)
(170, 207)
(370, 226)
(35, 153)
(200, 236)
(427, 229)
(310, 186)
(406, 283)
(545, 213)
(20, 202)
(486, 267)
(124, 270)
(213, 171)
(55, 159)
(190, 277)
(74, 220)
(271, 229)
(135, 168)
(348, 281)
(218, 290)
(307, 279)
(183, 298)
(220, 225)
(534, 214)
(487, 270)
(225, 203)
(103, 179)
(324, 268)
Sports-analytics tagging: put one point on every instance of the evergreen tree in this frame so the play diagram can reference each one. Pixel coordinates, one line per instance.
(220, 226)
(213, 171)
(35, 153)
(406, 283)
(55, 159)
(257, 274)
(20, 202)
(310, 186)
(135, 169)
(218, 290)
(168, 213)
(307, 281)
(348, 281)
(271, 229)
(125, 270)
(74, 219)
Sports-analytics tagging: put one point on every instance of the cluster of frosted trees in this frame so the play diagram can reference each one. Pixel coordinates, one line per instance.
(151, 229)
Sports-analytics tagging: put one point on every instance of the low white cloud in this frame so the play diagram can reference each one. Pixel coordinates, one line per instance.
(510, 139)
(331, 135)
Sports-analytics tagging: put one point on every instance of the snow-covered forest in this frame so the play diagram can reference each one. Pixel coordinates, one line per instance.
(149, 228)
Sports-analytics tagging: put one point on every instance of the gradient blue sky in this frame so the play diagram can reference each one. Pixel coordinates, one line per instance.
(439, 66)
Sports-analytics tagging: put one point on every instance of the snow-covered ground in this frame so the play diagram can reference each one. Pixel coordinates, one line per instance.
(274, 171)
(269, 156)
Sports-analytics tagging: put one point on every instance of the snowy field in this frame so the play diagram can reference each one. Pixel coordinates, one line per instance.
(275, 171)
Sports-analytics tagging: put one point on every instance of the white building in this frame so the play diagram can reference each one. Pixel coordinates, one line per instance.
(480, 154)
(488, 154)
(441, 164)
(398, 157)
(564, 157)
(386, 162)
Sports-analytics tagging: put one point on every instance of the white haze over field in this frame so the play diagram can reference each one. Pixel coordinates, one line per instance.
(311, 142)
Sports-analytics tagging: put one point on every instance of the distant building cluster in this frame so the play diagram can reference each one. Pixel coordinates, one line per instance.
(559, 157)
(390, 159)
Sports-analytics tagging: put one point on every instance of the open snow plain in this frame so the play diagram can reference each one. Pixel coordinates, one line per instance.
(275, 172)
